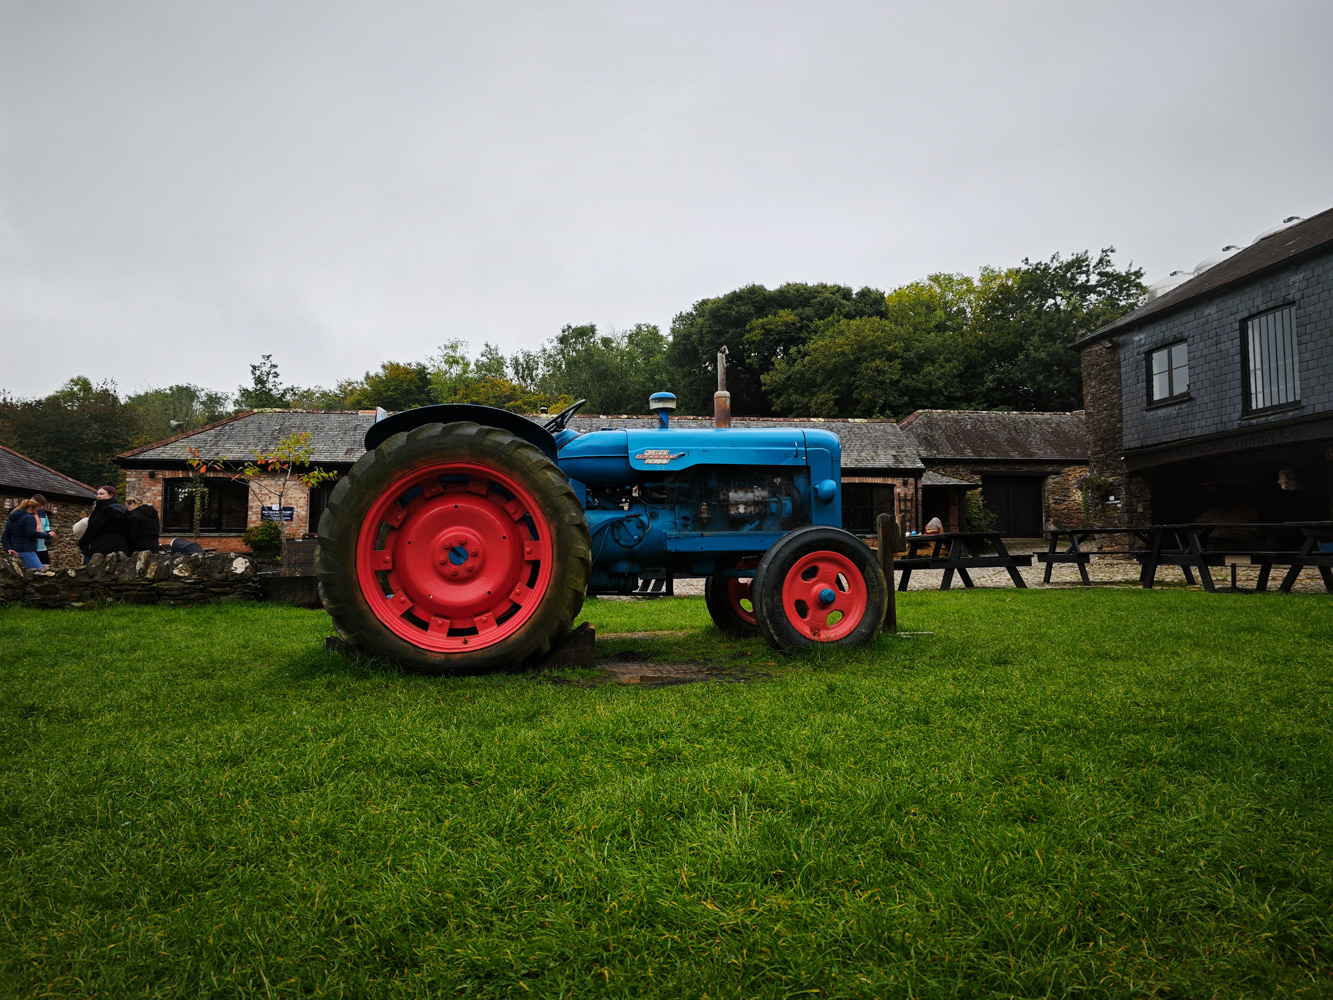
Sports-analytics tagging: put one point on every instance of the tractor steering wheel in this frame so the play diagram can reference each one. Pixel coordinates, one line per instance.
(561, 420)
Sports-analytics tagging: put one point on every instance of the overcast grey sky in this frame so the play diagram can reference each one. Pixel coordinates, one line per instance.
(184, 186)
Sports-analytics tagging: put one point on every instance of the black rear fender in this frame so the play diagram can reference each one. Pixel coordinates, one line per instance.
(449, 413)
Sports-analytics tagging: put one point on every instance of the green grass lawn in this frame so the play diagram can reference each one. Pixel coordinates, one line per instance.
(1106, 793)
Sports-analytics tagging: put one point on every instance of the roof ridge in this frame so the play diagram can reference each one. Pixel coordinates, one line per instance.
(1224, 274)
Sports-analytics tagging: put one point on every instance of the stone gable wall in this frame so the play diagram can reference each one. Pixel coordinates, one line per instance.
(1103, 419)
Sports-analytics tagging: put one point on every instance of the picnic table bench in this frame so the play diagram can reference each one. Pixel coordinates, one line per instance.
(1316, 550)
(1186, 546)
(1074, 552)
(958, 552)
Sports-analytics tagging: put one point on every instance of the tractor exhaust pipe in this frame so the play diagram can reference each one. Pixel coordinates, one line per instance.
(722, 398)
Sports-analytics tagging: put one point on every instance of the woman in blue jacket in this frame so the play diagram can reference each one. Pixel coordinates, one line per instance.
(20, 534)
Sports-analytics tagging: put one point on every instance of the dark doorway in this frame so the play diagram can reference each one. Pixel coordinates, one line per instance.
(319, 502)
(1016, 501)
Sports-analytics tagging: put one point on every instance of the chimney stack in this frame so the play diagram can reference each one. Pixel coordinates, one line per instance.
(722, 398)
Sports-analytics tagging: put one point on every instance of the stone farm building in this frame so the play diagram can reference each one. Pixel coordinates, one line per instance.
(67, 500)
(1213, 402)
(1027, 465)
(160, 473)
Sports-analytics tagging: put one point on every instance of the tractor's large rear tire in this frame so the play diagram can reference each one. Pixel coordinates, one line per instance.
(820, 584)
(453, 548)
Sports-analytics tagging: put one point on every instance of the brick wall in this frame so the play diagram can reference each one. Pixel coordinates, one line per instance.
(63, 513)
(149, 487)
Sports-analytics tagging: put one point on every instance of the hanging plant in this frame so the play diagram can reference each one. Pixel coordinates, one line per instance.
(1094, 485)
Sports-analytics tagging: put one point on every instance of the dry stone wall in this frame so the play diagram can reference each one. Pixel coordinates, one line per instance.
(142, 578)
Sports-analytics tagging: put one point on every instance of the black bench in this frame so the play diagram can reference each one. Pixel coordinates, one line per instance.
(958, 552)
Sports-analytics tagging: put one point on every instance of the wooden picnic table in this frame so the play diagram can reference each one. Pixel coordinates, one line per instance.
(1313, 552)
(958, 552)
(1187, 546)
(1074, 551)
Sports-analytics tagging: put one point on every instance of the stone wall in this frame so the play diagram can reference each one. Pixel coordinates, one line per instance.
(1103, 418)
(144, 578)
(1061, 503)
(63, 514)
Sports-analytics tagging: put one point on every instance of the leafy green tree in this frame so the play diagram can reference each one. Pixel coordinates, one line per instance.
(265, 391)
(176, 409)
(506, 395)
(615, 372)
(881, 366)
(396, 386)
(79, 429)
(490, 363)
(449, 368)
(316, 397)
(1028, 317)
(759, 327)
(999, 341)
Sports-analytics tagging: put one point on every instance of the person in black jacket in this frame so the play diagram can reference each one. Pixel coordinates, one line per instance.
(109, 526)
(21, 534)
(145, 526)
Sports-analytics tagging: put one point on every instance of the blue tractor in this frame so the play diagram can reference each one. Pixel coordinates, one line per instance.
(466, 538)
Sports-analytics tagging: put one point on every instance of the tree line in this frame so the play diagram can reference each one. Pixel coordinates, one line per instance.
(999, 340)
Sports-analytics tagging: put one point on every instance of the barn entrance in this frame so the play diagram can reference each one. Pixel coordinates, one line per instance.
(1016, 501)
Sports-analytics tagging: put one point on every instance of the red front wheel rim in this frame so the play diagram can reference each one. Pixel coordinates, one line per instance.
(740, 589)
(454, 557)
(824, 596)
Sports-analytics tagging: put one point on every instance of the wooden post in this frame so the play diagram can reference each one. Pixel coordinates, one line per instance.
(886, 530)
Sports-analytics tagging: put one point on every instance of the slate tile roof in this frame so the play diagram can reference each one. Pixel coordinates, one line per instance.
(335, 435)
(866, 444)
(933, 478)
(22, 475)
(997, 435)
(1313, 234)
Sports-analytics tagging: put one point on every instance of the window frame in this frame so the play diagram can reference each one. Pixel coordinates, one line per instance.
(1172, 396)
(216, 524)
(858, 498)
(1247, 371)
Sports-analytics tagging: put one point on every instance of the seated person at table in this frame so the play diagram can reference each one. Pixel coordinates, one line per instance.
(934, 527)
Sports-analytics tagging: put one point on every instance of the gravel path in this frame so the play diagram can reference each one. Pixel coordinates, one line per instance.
(1065, 575)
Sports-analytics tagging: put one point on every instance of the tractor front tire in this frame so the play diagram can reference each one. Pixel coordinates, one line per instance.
(453, 548)
(817, 585)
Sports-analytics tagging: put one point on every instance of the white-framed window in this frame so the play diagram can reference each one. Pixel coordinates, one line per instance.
(1168, 372)
(1271, 360)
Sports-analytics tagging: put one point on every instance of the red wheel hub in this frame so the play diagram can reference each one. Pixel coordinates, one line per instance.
(824, 596)
(739, 589)
(454, 557)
